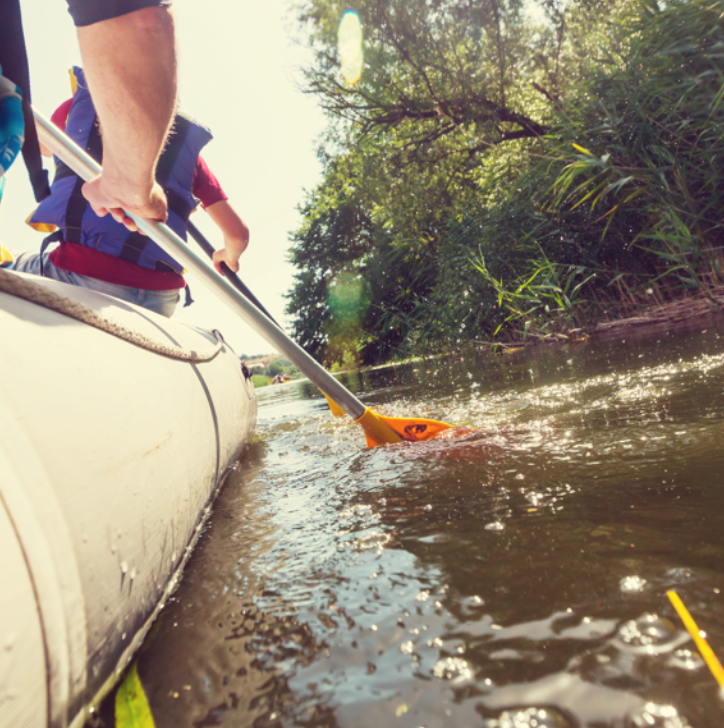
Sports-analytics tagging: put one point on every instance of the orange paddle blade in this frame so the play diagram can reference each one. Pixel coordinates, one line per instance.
(337, 411)
(380, 430)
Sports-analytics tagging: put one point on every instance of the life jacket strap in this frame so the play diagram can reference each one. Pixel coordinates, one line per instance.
(174, 143)
(56, 237)
(77, 203)
(14, 62)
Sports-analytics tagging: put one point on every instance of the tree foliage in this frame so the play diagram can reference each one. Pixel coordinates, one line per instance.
(502, 173)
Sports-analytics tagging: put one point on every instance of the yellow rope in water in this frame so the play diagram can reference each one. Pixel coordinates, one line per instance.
(706, 652)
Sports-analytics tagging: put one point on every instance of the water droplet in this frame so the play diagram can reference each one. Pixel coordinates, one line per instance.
(680, 575)
(494, 526)
(632, 584)
(427, 508)
(686, 659)
(453, 668)
(649, 634)
(657, 716)
(529, 718)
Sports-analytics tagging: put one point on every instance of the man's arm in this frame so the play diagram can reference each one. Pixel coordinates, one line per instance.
(130, 65)
(236, 235)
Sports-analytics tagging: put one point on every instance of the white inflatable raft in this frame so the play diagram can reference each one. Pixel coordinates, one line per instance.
(110, 454)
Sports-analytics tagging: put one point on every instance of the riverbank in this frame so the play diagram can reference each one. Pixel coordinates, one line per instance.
(700, 307)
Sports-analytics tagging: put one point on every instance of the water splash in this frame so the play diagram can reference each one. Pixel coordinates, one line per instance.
(453, 668)
(529, 718)
(658, 716)
(649, 634)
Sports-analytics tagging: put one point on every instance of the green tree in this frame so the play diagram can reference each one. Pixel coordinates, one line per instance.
(454, 202)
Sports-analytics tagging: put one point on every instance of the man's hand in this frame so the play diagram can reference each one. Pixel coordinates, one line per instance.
(107, 197)
(222, 256)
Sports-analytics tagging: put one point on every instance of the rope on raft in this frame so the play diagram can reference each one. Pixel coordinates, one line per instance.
(19, 287)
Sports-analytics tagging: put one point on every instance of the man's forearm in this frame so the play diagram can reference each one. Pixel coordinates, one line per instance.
(130, 64)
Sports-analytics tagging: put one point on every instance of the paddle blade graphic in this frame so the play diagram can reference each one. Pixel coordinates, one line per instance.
(349, 47)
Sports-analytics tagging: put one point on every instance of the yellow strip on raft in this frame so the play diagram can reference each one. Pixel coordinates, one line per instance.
(703, 646)
(132, 709)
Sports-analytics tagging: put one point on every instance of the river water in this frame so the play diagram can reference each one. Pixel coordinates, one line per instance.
(513, 578)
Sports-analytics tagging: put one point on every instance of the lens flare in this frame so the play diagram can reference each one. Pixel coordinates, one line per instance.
(349, 46)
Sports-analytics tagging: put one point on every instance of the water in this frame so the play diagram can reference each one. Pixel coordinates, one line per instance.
(514, 578)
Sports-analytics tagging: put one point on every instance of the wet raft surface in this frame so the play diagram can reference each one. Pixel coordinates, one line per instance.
(511, 579)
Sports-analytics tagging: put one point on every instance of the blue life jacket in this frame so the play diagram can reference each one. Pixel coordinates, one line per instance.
(69, 211)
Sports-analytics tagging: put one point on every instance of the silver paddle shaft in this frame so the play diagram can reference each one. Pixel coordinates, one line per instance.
(87, 168)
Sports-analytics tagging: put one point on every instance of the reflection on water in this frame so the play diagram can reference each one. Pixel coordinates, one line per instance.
(514, 577)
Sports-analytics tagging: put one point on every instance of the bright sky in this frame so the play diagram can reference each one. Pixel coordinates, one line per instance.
(238, 73)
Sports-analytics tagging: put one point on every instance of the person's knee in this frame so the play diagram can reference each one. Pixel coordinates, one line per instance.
(26, 263)
(161, 302)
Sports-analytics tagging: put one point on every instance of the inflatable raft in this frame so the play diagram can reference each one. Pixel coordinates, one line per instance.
(117, 427)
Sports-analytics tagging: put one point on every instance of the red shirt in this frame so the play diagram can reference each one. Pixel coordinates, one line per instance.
(90, 262)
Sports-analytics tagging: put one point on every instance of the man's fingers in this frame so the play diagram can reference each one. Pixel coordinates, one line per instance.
(105, 199)
(121, 217)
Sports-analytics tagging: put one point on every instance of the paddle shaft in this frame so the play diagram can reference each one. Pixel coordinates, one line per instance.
(87, 168)
(229, 274)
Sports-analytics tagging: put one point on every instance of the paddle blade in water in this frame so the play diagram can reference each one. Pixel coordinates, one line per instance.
(380, 430)
(337, 411)
(349, 46)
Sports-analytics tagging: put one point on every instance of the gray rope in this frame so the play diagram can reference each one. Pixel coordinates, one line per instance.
(20, 287)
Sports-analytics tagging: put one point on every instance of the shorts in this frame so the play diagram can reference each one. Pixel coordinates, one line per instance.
(163, 302)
